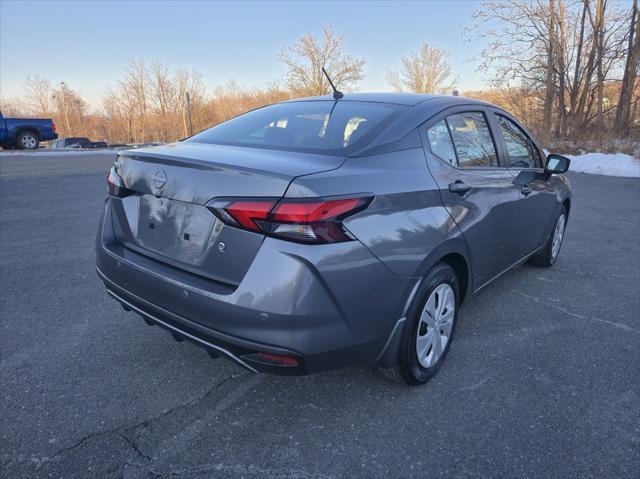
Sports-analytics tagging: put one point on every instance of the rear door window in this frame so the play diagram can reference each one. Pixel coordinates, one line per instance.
(441, 144)
(472, 140)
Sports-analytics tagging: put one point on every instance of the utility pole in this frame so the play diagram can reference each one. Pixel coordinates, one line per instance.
(63, 99)
(188, 100)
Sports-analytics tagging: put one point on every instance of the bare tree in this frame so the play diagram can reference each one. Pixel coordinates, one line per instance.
(566, 53)
(575, 82)
(598, 26)
(551, 50)
(12, 106)
(149, 103)
(135, 89)
(308, 55)
(189, 82)
(71, 108)
(162, 97)
(425, 71)
(561, 68)
(632, 65)
(39, 94)
(114, 118)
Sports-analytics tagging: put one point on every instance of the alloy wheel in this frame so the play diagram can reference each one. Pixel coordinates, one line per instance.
(28, 141)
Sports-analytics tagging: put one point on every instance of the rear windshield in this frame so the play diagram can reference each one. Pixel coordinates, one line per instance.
(326, 127)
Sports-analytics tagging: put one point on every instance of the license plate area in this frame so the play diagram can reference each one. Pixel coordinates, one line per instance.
(178, 230)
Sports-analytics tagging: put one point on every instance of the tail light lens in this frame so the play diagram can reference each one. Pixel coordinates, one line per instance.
(251, 215)
(53, 126)
(305, 221)
(116, 184)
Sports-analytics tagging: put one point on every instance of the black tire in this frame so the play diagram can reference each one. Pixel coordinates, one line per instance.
(27, 140)
(407, 368)
(545, 257)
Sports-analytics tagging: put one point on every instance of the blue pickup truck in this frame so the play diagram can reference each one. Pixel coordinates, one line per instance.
(25, 133)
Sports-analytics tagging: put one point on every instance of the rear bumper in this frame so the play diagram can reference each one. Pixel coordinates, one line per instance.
(326, 306)
(211, 340)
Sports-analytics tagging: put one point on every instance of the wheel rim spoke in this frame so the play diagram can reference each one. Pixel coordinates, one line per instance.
(428, 319)
(443, 295)
(424, 343)
(558, 235)
(430, 306)
(447, 323)
(437, 346)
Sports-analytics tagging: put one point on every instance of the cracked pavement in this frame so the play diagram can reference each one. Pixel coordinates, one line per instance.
(542, 379)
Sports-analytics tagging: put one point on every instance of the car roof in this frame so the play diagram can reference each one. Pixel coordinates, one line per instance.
(407, 99)
(419, 108)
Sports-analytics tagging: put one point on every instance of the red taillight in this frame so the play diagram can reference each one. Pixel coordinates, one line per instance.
(250, 214)
(310, 212)
(307, 221)
(53, 126)
(116, 184)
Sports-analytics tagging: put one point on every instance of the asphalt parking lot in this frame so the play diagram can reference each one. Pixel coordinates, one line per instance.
(542, 379)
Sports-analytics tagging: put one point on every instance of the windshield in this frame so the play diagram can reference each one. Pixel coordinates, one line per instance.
(325, 127)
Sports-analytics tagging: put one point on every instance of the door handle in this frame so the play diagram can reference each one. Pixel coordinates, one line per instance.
(459, 187)
(526, 191)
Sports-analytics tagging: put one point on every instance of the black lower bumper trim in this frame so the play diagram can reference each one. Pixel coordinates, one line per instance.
(207, 344)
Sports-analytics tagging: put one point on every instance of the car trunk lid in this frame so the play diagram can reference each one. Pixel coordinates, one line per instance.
(196, 172)
(165, 217)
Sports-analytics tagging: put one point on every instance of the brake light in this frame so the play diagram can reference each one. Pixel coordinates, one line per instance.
(53, 126)
(250, 214)
(310, 212)
(116, 184)
(306, 221)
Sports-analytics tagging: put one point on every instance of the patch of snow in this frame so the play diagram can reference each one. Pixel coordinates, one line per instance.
(61, 152)
(609, 164)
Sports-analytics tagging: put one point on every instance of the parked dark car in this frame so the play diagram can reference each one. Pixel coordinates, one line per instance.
(25, 133)
(78, 142)
(73, 142)
(144, 145)
(316, 233)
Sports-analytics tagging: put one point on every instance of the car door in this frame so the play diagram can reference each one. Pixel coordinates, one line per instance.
(538, 202)
(476, 188)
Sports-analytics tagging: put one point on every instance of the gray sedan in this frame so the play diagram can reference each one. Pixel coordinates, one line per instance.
(319, 232)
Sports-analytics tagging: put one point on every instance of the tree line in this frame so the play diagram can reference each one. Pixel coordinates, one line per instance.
(568, 68)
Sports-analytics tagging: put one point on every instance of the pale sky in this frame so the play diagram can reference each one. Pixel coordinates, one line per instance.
(87, 43)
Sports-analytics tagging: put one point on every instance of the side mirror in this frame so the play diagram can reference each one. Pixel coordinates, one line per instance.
(556, 164)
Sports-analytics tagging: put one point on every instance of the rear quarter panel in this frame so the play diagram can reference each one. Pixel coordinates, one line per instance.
(406, 226)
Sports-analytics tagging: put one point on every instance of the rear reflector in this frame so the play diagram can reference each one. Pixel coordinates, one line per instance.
(275, 360)
(301, 220)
